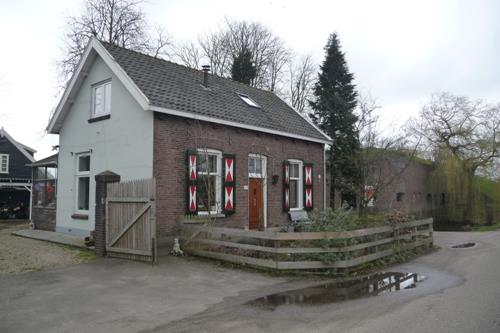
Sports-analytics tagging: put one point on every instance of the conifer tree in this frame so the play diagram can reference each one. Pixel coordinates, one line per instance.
(243, 69)
(333, 111)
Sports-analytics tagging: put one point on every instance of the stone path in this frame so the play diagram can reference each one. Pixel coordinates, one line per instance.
(50, 236)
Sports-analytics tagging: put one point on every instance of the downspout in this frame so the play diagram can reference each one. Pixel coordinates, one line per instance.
(324, 176)
(31, 202)
(31, 194)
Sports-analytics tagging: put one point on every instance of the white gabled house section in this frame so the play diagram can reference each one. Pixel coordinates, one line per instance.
(93, 49)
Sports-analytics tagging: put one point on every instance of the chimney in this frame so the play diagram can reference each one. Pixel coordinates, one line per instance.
(206, 69)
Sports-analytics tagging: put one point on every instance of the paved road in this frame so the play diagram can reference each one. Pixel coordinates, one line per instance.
(185, 295)
(461, 294)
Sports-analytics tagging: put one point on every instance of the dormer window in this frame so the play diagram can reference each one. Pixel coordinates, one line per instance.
(249, 101)
(101, 99)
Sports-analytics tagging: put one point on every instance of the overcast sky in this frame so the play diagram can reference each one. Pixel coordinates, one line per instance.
(399, 51)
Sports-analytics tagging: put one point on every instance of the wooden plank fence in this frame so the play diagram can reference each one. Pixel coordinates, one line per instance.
(345, 250)
(130, 220)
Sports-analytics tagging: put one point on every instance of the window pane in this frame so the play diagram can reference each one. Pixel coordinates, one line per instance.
(206, 192)
(51, 173)
(39, 193)
(294, 170)
(84, 163)
(83, 193)
(202, 163)
(251, 165)
(258, 166)
(213, 163)
(107, 98)
(294, 194)
(50, 193)
(98, 100)
(39, 173)
(4, 163)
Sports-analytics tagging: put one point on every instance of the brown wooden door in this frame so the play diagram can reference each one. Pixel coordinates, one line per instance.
(255, 203)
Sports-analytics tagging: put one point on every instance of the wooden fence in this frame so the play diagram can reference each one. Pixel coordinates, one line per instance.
(130, 220)
(344, 250)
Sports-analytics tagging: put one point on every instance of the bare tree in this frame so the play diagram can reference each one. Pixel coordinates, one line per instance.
(215, 48)
(189, 54)
(269, 53)
(470, 130)
(120, 22)
(160, 45)
(385, 154)
(301, 82)
(279, 56)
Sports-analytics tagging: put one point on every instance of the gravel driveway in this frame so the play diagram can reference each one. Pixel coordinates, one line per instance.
(19, 254)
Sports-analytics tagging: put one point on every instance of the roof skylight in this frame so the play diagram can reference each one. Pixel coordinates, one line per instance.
(249, 101)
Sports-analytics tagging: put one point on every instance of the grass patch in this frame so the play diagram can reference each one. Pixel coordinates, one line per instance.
(86, 255)
(82, 254)
(483, 228)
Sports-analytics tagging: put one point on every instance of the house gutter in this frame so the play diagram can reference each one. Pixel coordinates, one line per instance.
(199, 117)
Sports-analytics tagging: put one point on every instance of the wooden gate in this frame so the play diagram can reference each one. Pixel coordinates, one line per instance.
(130, 220)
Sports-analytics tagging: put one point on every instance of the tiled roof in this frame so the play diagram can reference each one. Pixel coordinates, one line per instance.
(176, 87)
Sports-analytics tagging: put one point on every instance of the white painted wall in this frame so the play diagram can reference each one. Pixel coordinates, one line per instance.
(122, 144)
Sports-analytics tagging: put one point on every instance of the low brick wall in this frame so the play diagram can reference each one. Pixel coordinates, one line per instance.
(44, 218)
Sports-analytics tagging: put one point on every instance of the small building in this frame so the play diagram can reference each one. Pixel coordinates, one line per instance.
(399, 182)
(15, 177)
(44, 193)
(214, 146)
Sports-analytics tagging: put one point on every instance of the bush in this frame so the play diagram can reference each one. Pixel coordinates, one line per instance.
(341, 219)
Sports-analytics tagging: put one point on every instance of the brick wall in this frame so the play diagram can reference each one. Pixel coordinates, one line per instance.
(413, 183)
(173, 136)
(44, 218)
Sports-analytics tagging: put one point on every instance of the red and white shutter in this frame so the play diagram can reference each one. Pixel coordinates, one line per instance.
(308, 186)
(286, 186)
(229, 186)
(192, 182)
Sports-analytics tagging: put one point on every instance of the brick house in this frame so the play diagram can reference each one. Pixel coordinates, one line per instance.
(213, 145)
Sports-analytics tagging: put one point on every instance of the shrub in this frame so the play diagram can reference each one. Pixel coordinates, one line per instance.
(341, 219)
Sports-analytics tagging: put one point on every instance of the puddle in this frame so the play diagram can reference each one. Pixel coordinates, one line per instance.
(463, 246)
(334, 292)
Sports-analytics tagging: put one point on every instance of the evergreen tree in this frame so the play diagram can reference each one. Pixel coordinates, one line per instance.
(243, 69)
(333, 111)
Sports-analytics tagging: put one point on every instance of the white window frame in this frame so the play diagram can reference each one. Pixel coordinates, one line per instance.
(78, 175)
(300, 185)
(6, 157)
(218, 179)
(106, 99)
(263, 160)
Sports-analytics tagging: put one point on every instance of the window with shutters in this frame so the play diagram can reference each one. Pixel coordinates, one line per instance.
(209, 169)
(296, 185)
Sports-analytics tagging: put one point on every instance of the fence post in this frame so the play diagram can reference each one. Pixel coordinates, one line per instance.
(102, 180)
